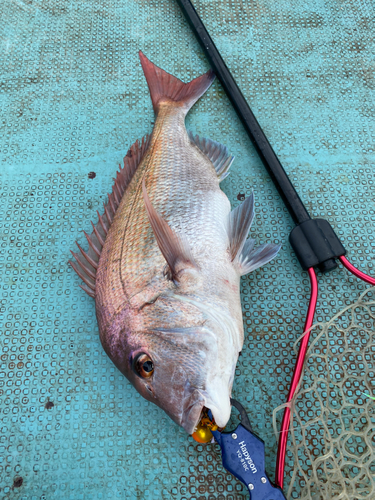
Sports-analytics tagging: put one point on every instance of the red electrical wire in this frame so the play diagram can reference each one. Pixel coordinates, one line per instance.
(356, 272)
(284, 431)
(281, 451)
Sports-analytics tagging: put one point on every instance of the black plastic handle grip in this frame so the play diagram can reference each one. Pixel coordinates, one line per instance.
(271, 162)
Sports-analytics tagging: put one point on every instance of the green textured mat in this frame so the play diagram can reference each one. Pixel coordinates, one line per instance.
(73, 98)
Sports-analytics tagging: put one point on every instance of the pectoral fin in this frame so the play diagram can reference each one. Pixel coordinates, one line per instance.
(174, 248)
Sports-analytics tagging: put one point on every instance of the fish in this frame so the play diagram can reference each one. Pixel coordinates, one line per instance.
(165, 259)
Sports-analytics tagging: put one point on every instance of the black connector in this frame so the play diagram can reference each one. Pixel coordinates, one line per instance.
(316, 245)
(313, 240)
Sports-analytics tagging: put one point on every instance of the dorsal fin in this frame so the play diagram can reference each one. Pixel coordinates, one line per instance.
(216, 152)
(173, 247)
(87, 262)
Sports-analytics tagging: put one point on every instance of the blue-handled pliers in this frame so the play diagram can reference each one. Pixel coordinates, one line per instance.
(244, 456)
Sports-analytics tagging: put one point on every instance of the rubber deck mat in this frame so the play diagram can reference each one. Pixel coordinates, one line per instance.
(73, 99)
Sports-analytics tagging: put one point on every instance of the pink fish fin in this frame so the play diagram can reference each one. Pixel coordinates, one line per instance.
(174, 248)
(165, 87)
(250, 259)
(87, 263)
(83, 271)
(217, 153)
(240, 220)
(88, 290)
(244, 256)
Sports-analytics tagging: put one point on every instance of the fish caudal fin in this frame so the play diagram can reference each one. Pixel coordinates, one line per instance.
(242, 250)
(165, 87)
(86, 264)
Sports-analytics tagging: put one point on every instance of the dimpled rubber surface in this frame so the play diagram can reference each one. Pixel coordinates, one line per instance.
(73, 99)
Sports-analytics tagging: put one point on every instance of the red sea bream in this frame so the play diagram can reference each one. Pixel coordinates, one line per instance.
(165, 261)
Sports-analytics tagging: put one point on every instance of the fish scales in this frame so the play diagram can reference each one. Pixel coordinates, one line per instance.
(167, 280)
(174, 167)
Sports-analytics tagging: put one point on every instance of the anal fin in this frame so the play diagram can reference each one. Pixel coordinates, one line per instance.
(217, 153)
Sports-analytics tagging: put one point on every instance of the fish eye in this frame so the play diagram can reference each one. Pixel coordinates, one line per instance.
(143, 365)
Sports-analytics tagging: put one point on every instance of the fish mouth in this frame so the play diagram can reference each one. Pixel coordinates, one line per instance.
(218, 401)
(192, 411)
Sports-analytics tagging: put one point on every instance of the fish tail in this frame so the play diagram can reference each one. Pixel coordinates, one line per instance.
(166, 88)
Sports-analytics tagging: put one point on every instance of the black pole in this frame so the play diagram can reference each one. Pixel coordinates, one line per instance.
(278, 175)
(313, 240)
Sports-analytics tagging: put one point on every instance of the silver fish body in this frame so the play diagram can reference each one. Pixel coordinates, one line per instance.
(167, 278)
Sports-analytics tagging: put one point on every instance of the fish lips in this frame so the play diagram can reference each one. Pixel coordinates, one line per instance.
(216, 400)
(201, 343)
(192, 411)
(212, 392)
(218, 403)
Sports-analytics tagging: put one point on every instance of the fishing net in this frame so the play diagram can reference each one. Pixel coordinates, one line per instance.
(331, 453)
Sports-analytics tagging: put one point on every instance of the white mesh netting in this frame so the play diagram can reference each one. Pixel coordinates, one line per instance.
(331, 448)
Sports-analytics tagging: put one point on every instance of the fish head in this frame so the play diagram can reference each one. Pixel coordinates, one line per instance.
(181, 370)
(166, 366)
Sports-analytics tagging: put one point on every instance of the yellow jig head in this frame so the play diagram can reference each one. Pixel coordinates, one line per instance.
(203, 432)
